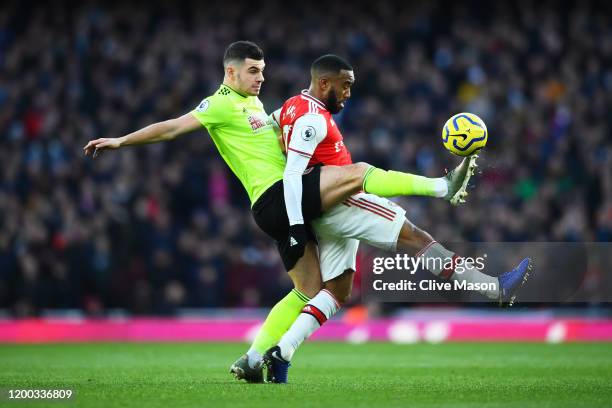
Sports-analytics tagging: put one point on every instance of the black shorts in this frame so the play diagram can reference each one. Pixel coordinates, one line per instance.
(270, 212)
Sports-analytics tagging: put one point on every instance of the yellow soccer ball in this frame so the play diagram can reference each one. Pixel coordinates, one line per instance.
(464, 134)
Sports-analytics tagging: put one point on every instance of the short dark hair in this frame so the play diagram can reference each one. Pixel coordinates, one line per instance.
(240, 50)
(329, 64)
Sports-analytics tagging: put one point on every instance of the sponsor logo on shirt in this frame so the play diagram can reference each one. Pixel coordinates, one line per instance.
(256, 123)
(290, 112)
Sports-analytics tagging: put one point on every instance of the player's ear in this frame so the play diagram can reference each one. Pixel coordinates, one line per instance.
(230, 71)
(323, 83)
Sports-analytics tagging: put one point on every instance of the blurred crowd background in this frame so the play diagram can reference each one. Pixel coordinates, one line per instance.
(156, 228)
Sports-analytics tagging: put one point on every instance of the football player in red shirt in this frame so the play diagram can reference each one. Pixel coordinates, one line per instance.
(311, 138)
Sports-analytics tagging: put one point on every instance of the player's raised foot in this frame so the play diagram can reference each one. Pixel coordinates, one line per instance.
(277, 367)
(241, 370)
(458, 178)
(511, 282)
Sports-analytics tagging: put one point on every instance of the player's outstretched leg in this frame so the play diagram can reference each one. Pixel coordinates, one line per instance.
(511, 282)
(391, 183)
(458, 178)
(502, 288)
(340, 182)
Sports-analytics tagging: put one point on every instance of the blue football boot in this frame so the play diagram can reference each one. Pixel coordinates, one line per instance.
(277, 367)
(511, 282)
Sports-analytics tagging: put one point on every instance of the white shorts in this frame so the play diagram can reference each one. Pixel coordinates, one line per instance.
(363, 217)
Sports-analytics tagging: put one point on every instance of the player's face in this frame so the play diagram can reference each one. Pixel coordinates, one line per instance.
(339, 91)
(249, 76)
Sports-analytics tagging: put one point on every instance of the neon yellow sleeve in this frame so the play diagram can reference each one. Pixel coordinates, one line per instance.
(212, 112)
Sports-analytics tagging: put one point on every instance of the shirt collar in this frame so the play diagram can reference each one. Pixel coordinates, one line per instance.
(308, 96)
(233, 91)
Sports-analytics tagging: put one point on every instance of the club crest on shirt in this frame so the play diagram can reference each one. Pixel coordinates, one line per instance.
(308, 133)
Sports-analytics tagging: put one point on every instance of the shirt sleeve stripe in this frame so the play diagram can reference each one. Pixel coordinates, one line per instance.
(300, 152)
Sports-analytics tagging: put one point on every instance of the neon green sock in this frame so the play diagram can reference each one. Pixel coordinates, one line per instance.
(280, 318)
(394, 183)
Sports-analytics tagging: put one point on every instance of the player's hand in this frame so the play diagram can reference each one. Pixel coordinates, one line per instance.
(95, 147)
(296, 244)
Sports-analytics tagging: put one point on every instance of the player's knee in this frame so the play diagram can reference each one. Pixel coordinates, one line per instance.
(306, 283)
(413, 236)
(358, 171)
(422, 236)
(309, 289)
(353, 175)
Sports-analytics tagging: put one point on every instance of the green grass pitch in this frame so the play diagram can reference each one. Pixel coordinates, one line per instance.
(323, 375)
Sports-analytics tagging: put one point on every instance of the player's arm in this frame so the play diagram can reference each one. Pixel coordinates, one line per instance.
(308, 131)
(157, 132)
(275, 120)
